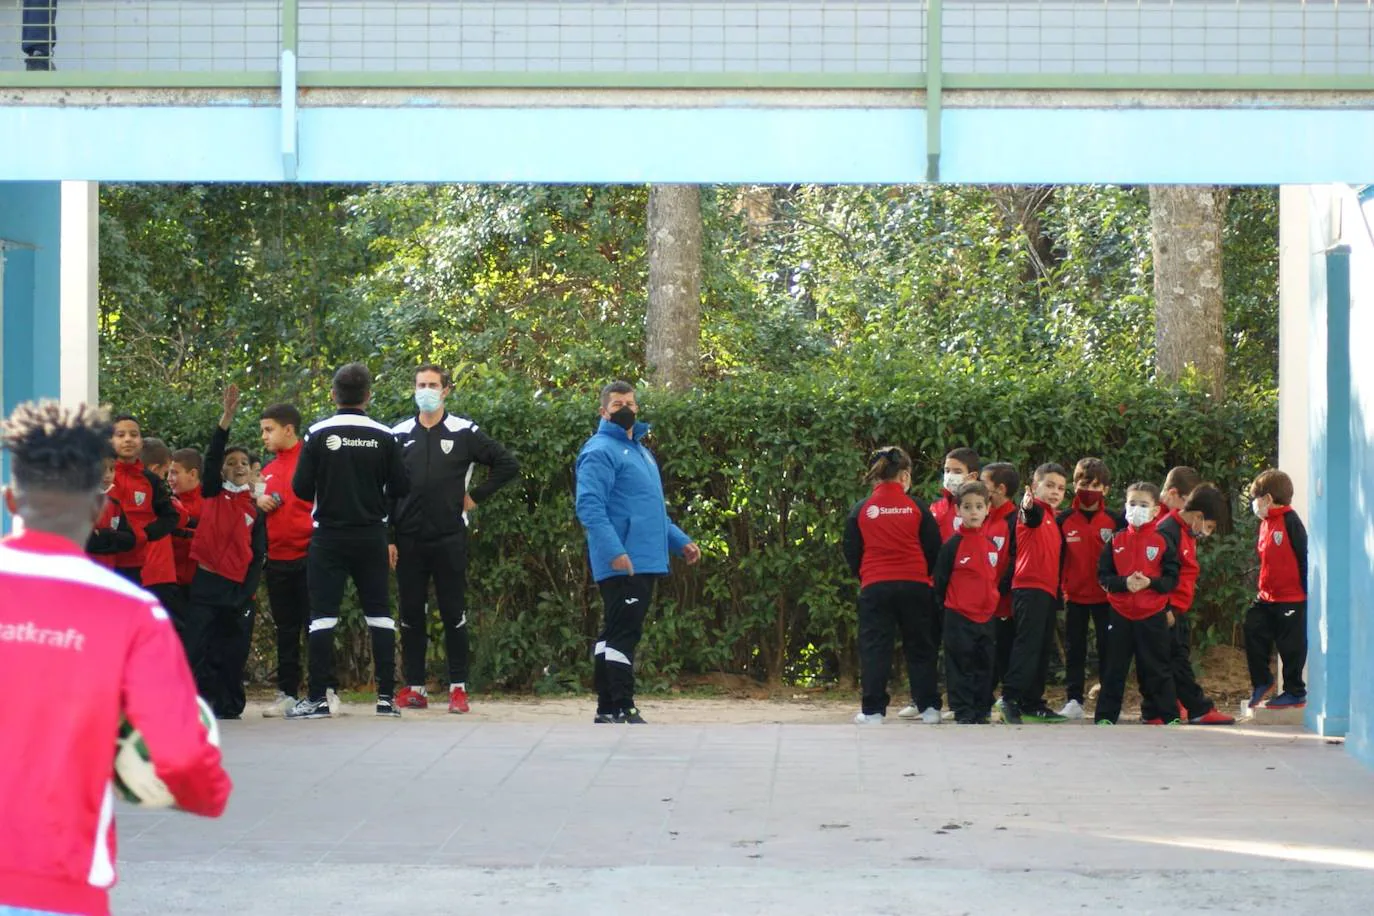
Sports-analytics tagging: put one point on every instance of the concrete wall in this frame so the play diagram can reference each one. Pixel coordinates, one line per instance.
(646, 36)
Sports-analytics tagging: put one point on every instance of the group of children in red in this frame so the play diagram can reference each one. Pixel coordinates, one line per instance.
(983, 577)
(197, 530)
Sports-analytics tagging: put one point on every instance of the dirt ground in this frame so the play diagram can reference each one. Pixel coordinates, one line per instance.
(730, 699)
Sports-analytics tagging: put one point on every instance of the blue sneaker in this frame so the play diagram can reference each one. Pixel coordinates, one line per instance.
(1287, 701)
(1259, 693)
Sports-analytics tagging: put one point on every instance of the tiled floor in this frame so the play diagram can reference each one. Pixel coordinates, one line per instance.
(369, 816)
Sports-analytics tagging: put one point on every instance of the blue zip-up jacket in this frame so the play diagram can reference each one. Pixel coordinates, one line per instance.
(620, 504)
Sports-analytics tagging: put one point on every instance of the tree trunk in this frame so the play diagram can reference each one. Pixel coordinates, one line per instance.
(1185, 229)
(1022, 208)
(672, 333)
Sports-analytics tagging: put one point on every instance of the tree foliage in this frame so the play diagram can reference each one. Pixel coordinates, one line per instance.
(1018, 321)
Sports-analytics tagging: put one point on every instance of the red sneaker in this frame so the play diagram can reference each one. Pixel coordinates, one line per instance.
(409, 698)
(458, 700)
(1182, 711)
(1212, 717)
(1154, 722)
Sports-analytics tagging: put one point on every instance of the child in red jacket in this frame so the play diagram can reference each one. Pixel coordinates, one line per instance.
(1139, 570)
(111, 534)
(961, 466)
(1034, 598)
(184, 480)
(1279, 615)
(1003, 482)
(1193, 510)
(228, 549)
(967, 587)
(1086, 525)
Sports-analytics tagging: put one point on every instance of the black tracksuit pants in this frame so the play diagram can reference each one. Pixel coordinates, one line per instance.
(1186, 688)
(970, 653)
(1034, 613)
(223, 618)
(288, 596)
(1005, 630)
(1150, 643)
(1270, 625)
(885, 609)
(1077, 618)
(626, 600)
(445, 560)
(335, 557)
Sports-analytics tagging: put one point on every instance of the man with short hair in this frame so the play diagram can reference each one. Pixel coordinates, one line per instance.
(441, 452)
(38, 39)
(351, 468)
(629, 536)
(67, 621)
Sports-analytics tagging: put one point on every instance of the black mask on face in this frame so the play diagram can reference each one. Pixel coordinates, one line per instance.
(624, 418)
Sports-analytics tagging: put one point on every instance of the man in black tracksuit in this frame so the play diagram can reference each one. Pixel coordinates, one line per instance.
(352, 469)
(441, 452)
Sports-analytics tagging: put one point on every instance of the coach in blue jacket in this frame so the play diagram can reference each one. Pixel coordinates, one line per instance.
(629, 536)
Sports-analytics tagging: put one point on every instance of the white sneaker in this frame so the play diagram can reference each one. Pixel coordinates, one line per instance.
(947, 716)
(279, 706)
(930, 715)
(875, 718)
(1073, 710)
(908, 712)
(332, 698)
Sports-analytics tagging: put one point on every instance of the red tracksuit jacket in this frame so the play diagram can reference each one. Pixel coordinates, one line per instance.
(946, 514)
(966, 579)
(231, 537)
(65, 620)
(147, 503)
(891, 537)
(111, 535)
(1173, 526)
(1145, 550)
(1039, 548)
(290, 526)
(189, 506)
(1000, 529)
(1085, 531)
(1283, 557)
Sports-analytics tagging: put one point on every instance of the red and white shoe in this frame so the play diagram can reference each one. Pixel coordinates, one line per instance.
(458, 700)
(409, 698)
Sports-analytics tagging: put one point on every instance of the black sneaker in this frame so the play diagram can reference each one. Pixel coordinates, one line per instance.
(39, 62)
(604, 718)
(387, 707)
(629, 716)
(1011, 713)
(309, 709)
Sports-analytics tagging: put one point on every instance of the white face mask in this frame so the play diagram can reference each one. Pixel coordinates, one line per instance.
(1139, 515)
(1257, 509)
(428, 400)
(952, 480)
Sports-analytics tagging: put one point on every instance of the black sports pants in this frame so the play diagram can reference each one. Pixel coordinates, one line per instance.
(288, 596)
(1186, 688)
(445, 561)
(1270, 625)
(224, 622)
(334, 558)
(970, 652)
(1034, 612)
(1077, 617)
(626, 600)
(885, 609)
(1149, 642)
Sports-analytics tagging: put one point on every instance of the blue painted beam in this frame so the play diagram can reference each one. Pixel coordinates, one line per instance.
(707, 145)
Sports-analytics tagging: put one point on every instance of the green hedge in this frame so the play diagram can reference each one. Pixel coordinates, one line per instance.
(762, 476)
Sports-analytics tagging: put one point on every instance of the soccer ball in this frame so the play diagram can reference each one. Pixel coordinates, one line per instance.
(135, 779)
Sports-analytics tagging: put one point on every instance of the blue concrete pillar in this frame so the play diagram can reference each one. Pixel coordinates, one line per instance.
(1328, 560)
(1360, 735)
(30, 304)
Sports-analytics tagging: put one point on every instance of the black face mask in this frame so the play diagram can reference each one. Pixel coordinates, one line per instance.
(624, 418)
